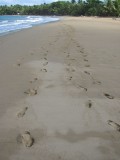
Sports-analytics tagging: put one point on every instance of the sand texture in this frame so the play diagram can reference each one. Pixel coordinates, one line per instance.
(60, 86)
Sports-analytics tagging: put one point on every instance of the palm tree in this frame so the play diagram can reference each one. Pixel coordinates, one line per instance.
(117, 6)
(110, 8)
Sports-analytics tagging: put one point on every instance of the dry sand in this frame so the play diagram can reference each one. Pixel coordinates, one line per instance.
(61, 83)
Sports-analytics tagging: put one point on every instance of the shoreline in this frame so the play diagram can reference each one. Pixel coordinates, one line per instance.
(32, 24)
(105, 19)
(74, 67)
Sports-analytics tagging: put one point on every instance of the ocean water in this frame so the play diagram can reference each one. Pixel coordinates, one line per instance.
(14, 23)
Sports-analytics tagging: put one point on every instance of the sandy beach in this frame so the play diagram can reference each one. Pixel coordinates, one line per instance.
(61, 83)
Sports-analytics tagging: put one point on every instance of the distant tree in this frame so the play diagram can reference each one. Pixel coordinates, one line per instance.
(73, 1)
(79, 1)
(85, 7)
(109, 8)
(117, 6)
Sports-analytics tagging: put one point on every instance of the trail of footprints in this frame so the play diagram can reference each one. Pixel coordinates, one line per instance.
(94, 81)
(26, 138)
(89, 103)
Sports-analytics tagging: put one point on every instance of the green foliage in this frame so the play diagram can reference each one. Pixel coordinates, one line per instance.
(117, 7)
(74, 8)
(73, 1)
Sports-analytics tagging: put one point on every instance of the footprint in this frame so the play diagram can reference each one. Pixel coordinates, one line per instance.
(87, 65)
(44, 70)
(83, 88)
(19, 64)
(114, 125)
(108, 96)
(22, 112)
(31, 92)
(96, 82)
(70, 78)
(72, 70)
(89, 103)
(68, 69)
(45, 58)
(82, 51)
(45, 63)
(27, 139)
(35, 79)
(86, 60)
(68, 56)
(87, 72)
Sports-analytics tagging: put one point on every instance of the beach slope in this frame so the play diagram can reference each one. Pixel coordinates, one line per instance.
(60, 91)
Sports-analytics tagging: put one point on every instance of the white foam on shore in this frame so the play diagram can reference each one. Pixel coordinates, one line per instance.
(18, 23)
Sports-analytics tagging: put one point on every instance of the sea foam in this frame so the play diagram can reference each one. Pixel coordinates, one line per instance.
(15, 23)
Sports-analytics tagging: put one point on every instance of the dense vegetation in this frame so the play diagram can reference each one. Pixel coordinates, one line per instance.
(87, 8)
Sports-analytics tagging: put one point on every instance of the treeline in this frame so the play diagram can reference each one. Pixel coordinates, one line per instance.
(73, 8)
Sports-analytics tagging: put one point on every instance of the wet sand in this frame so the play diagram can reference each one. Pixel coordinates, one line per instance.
(60, 82)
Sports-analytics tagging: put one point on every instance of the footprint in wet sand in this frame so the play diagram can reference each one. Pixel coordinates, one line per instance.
(108, 96)
(45, 63)
(67, 69)
(35, 79)
(68, 56)
(87, 65)
(86, 60)
(96, 82)
(116, 126)
(31, 92)
(83, 88)
(45, 59)
(81, 51)
(70, 69)
(89, 103)
(86, 72)
(70, 78)
(84, 55)
(44, 70)
(22, 112)
(26, 139)
(19, 64)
